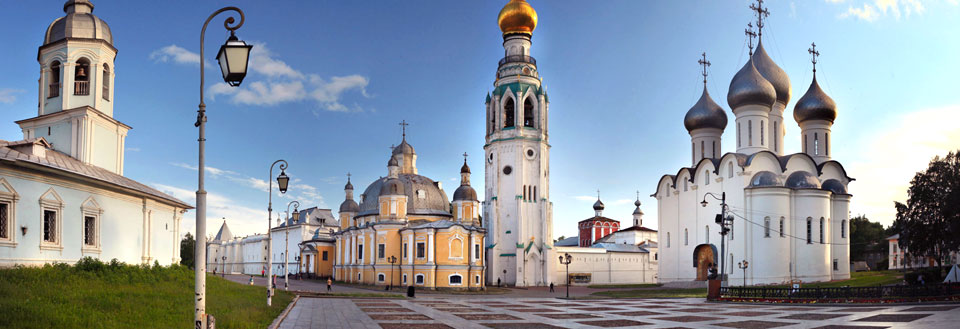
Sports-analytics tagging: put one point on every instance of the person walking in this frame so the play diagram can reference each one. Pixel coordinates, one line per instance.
(329, 284)
(551, 286)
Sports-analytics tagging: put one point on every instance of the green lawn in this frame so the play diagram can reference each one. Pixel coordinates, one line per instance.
(98, 295)
(859, 279)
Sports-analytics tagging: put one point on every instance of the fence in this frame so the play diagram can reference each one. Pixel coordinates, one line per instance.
(933, 290)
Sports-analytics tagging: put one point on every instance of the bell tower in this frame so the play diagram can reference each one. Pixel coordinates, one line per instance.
(75, 98)
(517, 211)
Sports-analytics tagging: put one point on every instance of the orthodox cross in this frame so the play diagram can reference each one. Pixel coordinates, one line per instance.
(403, 126)
(598, 194)
(761, 14)
(464, 157)
(392, 146)
(750, 35)
(638, 195)
(813, 53)
(348, 176)
(704, 64)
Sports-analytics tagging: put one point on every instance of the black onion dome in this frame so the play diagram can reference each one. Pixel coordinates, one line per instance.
(705, 114)
(465, 193)
(834, 186)
(815, 105)
(598, 205)
(349, 206)
(465, 169)
(748, 87)
(803, 179)
(765, 179)
(349, 185)
(393, 162)
(773, 73)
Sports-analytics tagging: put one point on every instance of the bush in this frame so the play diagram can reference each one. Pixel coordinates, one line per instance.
(930, 275)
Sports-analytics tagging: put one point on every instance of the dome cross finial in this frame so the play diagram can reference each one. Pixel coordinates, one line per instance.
(814, 53)
(464, 157)
(761, 14)
(704, 63)
(403, 127)
(750, 35)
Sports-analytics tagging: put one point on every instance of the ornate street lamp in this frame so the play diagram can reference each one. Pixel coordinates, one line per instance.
(566, 259)
(286, 237)
(724, 222)
(223, 272)
(232, 57)
(743, 266)
(391, 260)
(282, 181)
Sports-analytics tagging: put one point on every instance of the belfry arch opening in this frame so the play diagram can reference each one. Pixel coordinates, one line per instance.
(508, 113)
(528, 117)
(81, 77)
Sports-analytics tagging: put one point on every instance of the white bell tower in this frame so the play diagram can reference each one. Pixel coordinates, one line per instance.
(517, 212)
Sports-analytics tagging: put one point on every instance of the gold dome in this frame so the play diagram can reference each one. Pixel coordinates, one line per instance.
(517, 17)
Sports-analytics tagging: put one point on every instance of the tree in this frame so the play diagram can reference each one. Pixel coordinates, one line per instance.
(559, 239)
(187, 246)
(866, 236)
(929, 222)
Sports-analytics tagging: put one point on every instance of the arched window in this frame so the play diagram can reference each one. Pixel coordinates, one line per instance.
(418, 279)
(686, 238)
(766, 227)
(702, 155)
(381, 277)
(528, 120)
(816, 144)
(493, 119)
(809, 230)
(508, 110)
(81, 77)
(750, 132)
(843, 229)
(826, 143)
(738, 134)
(730, 170)
(714, 149)
(106, 82)
(804, 143)
(821, 231)
(776, 131)
(668, 239)
(782, 232)
(685, 184)
(54, 80)
(706, 177)
(707, 230)
(761, 132)
(693, 152)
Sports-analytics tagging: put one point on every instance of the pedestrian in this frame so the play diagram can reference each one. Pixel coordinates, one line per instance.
(262, 272)
(329, 283)
(920, 279)
(498, 282)
(551, 286)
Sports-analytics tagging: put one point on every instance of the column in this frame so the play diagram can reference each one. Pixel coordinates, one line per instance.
(410, 243)
(430, 259)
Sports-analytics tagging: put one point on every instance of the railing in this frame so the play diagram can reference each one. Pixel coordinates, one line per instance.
(518, 59)
(54, 90)
(106, 93)
(933, 290)
(81, 88)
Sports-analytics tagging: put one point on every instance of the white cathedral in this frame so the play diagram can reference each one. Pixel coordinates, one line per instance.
(790, 211)
(63, 195)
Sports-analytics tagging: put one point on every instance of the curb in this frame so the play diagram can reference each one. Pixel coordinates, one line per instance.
(276, 322)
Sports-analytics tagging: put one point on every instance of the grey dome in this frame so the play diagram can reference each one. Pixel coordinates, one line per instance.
(773, 73)
(79, 23)
(834, 186)
(637, 203)
(349, 185)
(349, 206)
(393, 162)
(637, 211)
(403, 148)
(815, 105)
(465, 193)
(803, 179)
(392, 186)
(748, 87)
(765, 178)
(598, 205)
(465, 169)
(433, 202)
(705, 114)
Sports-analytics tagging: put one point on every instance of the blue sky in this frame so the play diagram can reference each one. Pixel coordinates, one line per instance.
(330, 81)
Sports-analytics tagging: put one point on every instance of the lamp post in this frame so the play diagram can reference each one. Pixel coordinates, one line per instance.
(391, 260)
(724, 222)
(282, 182)
(233, 58)
(286, 241)
(565, 260)
(223, 269)
(743, 266)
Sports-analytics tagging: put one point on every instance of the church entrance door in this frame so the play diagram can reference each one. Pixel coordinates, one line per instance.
(703, 257)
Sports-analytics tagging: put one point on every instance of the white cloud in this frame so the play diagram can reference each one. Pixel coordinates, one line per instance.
(895, 153)
(262, 61)
(176, 54)
(210, 170)
(132, 149)
(585, 198)
(241, 219)
(871, 11)
(8, 96)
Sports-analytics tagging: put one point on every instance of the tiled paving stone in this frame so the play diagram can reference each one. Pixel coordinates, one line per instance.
(387, 310)
(637, 313)
(802, 309)
(655, 306)
(602, 308)
(567, 316)
(748, 313)
(535, 310)
(375, 304)
(398, 317)
(741, 307)
(613, 323)
(893, 317)
(487, 316)
(855, 309)
(699, 310)
(520, 325)
(689, 318)
(837, 326)
(814, 316)
(414, 325)
(754, 324)
(929, 309)
(462, 310)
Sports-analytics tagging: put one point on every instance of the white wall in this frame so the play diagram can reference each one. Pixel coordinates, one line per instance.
(605, 267)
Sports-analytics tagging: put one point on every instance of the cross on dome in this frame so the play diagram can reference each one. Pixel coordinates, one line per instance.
(814, 54)
(750, 35)
(403, 126)
(464, 157)
(704, 64)
(761, 14)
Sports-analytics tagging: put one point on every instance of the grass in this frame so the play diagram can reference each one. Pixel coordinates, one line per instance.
(858, 279)
(645, 293)
(624, 286)
(92, 294)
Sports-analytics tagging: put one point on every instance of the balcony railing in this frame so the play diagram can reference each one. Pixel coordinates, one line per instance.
(81, 88)
(54, 90)
(518, 59)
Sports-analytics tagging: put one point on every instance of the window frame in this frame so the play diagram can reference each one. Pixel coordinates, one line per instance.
(56, 206)
(421, 250)
(381, 251)
(419, 279)
(10, 198)
(90, 208)
(450, 279)
(766, 227)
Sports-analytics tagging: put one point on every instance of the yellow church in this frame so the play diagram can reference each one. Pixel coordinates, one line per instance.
(405, 232)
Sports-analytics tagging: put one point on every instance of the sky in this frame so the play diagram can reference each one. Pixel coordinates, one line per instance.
(331, 80)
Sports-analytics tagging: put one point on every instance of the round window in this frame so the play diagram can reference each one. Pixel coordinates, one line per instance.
(490, 158)
(530, 152)
(507, 170)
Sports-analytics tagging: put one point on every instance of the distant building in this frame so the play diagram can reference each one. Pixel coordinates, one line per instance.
(596, 227)
(900, 258)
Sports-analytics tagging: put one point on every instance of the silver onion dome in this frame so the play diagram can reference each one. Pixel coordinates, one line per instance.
(748, 87)
(349, 206)
(803, 179)
(815, 105)
(393, 162)
(403, 148)
(705, 114)
(79, 23)
(465, 193)
(598, 205)
(773, 73)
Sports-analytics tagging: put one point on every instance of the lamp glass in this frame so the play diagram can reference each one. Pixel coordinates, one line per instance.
(233, 58)
(295, 215)
(282, 181)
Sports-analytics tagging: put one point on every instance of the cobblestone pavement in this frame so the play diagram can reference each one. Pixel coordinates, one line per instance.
(512, 312)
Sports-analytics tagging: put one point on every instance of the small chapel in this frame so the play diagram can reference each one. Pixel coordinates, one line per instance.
(789, 211)
(63, 195)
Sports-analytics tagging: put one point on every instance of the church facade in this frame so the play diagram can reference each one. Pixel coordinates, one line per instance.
(63, 195)
(517, 211)
(789, 211)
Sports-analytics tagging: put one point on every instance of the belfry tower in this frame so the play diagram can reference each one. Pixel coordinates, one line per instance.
(517, 212)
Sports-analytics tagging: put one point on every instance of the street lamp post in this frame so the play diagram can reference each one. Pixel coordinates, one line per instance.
(391, 260)
(565, 260)
(282, 182)
(233, 58)
(223, 269)
(724, 229)
(286, 241)
(743, 266)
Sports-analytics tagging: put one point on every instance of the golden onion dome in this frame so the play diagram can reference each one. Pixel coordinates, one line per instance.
(517, 17)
